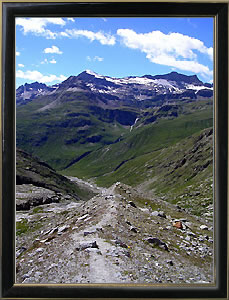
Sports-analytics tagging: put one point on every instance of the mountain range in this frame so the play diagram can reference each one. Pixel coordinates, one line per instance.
(143, 89)
(94, 126)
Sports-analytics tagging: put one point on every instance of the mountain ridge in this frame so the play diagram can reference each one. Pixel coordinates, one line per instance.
(175, 76)
(145, 87)
(90, 111)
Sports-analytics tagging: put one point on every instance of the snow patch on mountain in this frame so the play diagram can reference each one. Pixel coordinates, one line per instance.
(131, 88)
(94, 74)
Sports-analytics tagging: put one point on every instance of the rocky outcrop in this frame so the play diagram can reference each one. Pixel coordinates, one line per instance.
(83, 246)
(30, 170)
(124, 117)
(157, 242)
(28, 196)
(30, 91)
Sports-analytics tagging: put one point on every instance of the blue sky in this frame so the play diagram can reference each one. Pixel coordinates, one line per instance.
(49, 50)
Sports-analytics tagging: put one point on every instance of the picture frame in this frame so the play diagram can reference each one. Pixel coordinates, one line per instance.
(10, 10)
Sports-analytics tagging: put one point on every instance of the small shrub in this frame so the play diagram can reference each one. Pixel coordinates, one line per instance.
(38, 210)
(22, 226)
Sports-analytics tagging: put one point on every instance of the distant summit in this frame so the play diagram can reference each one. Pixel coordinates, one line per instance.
(128, 89)
(30, 91)
(174, 76)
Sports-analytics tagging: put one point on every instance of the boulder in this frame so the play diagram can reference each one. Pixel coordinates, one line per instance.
(120, 243)
(134, 229)
(63, 228)
(191, 234)
(22, 205)
(132, 204)
(170, 262)
(127, 253)
(83, 217)
(178, 224)
(89, 232)
(52, 231)
(20, 251)
(204, 227)
(155, 213)
(83, 246)
(28, 196)
(157, 242)
(161, 214)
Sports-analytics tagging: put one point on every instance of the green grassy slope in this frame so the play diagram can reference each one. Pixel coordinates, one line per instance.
(113, 162)
(171, 158)
(70, 128)
(167, 152)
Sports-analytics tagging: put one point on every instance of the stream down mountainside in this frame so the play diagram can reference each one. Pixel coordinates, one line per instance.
(120, 235)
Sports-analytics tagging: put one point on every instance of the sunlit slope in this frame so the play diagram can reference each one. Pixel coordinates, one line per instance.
(121, 161)
(60, 130)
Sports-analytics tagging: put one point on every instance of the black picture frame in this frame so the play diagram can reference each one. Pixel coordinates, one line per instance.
(10, 10)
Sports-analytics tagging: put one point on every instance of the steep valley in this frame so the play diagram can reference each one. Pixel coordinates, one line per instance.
(83, 115)
(115, 181)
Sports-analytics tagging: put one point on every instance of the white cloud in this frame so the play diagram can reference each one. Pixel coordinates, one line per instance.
(98, 58)
(103, 38)
(38, 26)
(95, 58)
(71, 19)
(173, 49)
(53, 61)
(104, 19)
(17, 53)
(63, 34)
(45, 61)
(53, 49)
(210, 52)
(37, 76)
(20, 65)
(186, 65)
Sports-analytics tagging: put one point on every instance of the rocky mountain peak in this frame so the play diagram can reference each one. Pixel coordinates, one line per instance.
(36, 85)
(87, 74)
(177, 77)
(32, 86)
(128, 89)
(71, 79)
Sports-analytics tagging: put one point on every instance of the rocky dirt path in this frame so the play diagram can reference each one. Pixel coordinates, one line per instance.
(118, 236)
(82, 239)
(96, 266)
